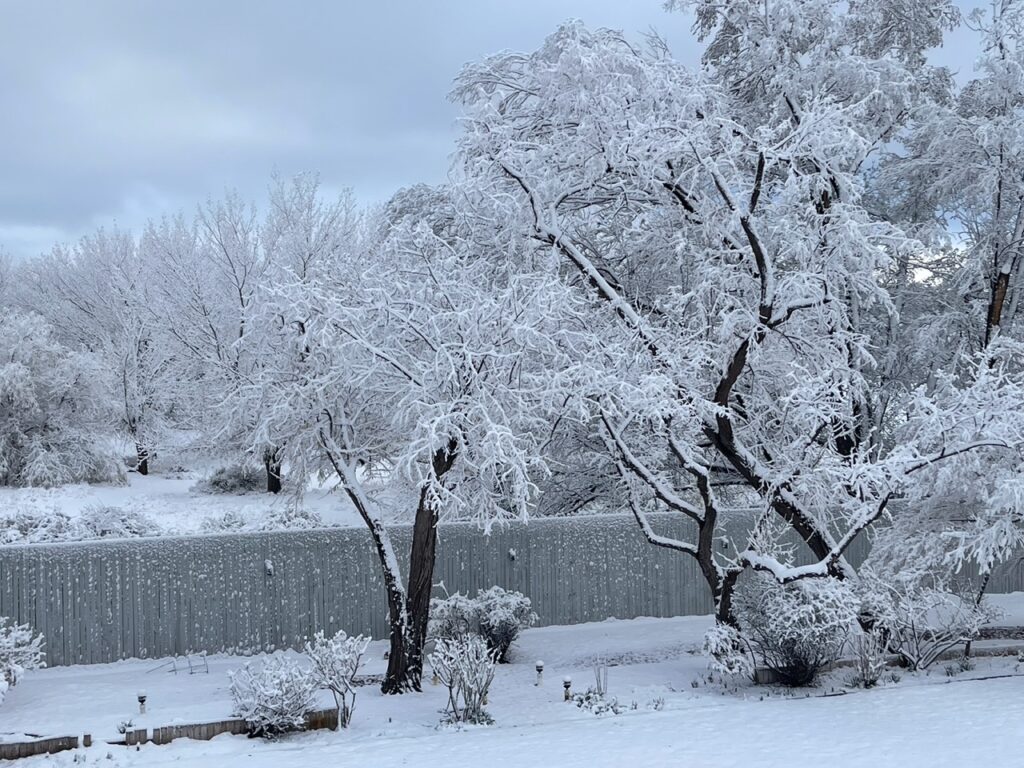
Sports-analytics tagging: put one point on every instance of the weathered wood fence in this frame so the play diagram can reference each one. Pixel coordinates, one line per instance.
(147, 598)
(50, 746)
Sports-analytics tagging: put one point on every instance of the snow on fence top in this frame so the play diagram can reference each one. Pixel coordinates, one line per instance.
(147, 598)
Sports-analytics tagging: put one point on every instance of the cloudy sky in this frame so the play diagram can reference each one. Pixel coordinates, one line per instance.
(122, 111)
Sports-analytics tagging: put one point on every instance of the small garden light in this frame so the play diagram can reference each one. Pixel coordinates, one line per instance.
(142, 702)
(567, 685)
(540, 672)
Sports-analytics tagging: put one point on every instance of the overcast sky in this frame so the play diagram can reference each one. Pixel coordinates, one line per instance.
(123, 111)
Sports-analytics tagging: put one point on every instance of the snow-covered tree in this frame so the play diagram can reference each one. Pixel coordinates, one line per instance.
(964, 156)
(957, 175)
(5, 278)
(97, 298)
(408, 369)
(715, 221)
(54, 406)
(208, 274)
(211, 273)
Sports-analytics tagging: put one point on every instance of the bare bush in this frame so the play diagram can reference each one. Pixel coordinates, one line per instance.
(924, 619)
(336, 662)
(465, 666)
(869, 658)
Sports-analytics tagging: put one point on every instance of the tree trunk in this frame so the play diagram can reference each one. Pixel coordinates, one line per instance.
(421, 582)
(272, 464)
(723, 598)
(1000, 283)
(405, 660)
(142, 454)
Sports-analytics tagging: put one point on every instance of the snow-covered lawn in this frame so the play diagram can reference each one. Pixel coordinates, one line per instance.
(170, 501)
(680, 717)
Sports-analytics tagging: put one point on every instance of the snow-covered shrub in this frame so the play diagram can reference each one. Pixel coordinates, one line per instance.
(273, 698)
(54, 404)
(230, 521)
(963, 664)
(922, 619)
(451, 617)
(496, 614)
(101, 521)
(501, 616)
(593, 700)
(869, 658)
(233, 479)
(798, 628)
(290, 517)
(335, 663)
(728, 652)
(465, 666)
(34, 526)
(21, 650)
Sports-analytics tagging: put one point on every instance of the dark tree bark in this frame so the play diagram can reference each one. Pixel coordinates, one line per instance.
(142, 454)
(272, 465)
(1000, 284)
(405, 659)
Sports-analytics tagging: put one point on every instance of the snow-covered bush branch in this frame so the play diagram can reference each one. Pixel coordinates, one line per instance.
(796, 629)
(496, 614)
(273, 698)
(336, 663)
(21, 650)
(465, 666)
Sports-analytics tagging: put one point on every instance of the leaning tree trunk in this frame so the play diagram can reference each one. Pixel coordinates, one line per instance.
(405, 659)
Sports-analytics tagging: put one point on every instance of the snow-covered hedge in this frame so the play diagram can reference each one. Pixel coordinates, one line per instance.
(32, 526)
(273, 698)
(496, 614)
(21, 650)
(502, 615)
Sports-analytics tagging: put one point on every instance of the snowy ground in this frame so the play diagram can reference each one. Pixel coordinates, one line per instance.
(170, 501)
(680, 717)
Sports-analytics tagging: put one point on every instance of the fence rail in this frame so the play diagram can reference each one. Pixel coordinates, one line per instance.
(147, 598)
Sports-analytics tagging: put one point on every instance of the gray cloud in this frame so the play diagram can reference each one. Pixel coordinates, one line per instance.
(128, 110)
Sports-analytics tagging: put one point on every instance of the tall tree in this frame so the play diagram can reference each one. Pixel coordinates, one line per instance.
(717, 218)
(409, 370)
(96, 297)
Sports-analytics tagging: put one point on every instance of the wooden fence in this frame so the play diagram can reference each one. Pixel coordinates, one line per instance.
(244, 593)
